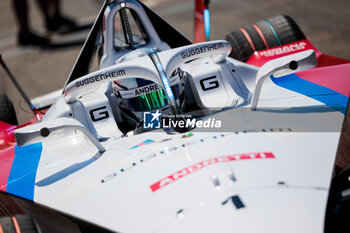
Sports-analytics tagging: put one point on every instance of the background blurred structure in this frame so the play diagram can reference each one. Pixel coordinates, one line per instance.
(325, 23)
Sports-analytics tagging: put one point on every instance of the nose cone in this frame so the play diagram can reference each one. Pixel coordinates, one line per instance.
(280, 209)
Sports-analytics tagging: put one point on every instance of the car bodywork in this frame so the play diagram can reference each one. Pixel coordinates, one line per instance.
(267, 168)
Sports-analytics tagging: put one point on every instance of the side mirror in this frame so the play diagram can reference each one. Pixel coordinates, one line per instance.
(43, 129)
(283, 66)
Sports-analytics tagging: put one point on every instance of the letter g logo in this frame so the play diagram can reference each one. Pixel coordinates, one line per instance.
(98, 114)
(208, 85)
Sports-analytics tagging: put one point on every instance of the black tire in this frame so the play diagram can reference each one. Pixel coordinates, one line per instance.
(256, 39)
(286, 29)
(25, 224)
(241, 49)
(269, 33)
(338, 209)
(7, 112)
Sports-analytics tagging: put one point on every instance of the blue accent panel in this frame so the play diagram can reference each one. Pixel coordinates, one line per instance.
(323, 94)
(148, 141)
(143, 143)
(206, 16)
(23, 172)
(273, 31)
(166, 83)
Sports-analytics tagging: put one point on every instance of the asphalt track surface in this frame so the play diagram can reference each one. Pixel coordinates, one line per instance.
(325, 23)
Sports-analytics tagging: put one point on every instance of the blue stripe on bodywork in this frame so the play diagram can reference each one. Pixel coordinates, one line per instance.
(23, 172)
(320, 93)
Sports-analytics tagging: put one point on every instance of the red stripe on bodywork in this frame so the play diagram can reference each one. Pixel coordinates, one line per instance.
(263, 56)
(195, 167)
(7, 137)
(6, 160)
(336, 78)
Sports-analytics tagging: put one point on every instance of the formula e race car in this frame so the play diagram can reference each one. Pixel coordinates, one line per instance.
(243, 135)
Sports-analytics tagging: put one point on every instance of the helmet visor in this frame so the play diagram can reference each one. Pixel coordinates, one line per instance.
(147, 102)
(149, 96)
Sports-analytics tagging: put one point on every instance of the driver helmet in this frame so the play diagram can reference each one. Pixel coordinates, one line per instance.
(139, 95)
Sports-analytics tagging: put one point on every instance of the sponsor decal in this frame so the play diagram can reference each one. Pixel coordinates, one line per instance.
(283, 49)
(146, 89)
(198, 166)
(98, 114)
(100, 77)
(139, 91)
(146, 142)
(202, 49)
(209, 83)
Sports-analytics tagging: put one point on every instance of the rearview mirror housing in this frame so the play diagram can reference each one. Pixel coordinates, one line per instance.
(37, 132)
(283, 66)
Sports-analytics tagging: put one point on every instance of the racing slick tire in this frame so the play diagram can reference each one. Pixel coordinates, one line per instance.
(338, 209)
(13, 218)
(7, 112)
(271, 32)
(18, 223)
